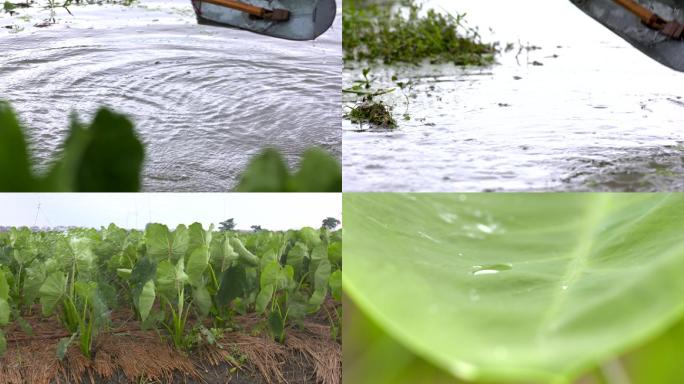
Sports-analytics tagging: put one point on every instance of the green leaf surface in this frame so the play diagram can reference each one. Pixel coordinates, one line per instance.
(318, 172)
(264, 298)
(63, 346)
(4, 287)
(517, 287)
(246, 256)
(233, 285)
(267, 172)
(52, 291)
(3, 343)
(335, 283)
(276, 325)
(5, 311)
(202, 299)
(146, 299)
(15, 163)
(197, 264)
(113, 157)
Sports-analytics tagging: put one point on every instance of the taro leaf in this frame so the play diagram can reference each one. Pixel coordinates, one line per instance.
(202, 299)
(310, 236)
(142, 285)
(517, 287)
(266, 172)
(197, 264)
(335, 283)
(52, 291)
(233, 285)
(4, 287)
(267, 258)
(321, 277)
(296, 256)
(146, 299)
(335, 253)
(63, 346)
(112, 158)
(659, 360)
(15, 164)
(246, 256)
(4, 312)
(158, 241)
(264, 298)
(318, 172)
(179, 246)
(274, 274)
(276, 325)
(297, 305)
(198, 237)
(85, 259)
(166, 279)
(3, 343)
(25, 326)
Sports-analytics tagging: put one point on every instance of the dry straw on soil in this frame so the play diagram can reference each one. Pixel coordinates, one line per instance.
(126, 354)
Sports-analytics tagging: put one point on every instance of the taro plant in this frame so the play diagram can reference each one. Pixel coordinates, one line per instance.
(4, 310)
(177, 280)
(74, 296)
(521, 288)
(173, 269)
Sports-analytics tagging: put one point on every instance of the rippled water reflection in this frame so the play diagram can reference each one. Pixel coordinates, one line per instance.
(584, 112)
(204, 99)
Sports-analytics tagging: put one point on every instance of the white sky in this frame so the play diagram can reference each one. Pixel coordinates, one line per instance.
(135, 210)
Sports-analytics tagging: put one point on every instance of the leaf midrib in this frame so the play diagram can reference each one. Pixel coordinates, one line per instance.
(578, 262)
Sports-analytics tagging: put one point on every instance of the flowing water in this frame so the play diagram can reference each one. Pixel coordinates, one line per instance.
(204, 99)
(585, 112)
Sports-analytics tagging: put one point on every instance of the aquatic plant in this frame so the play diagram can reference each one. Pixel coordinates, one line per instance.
(375, 113)
(516, 288)
(386, 33)
(107, 156)
(366, 109)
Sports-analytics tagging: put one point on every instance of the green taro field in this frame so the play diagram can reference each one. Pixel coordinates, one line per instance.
(188, 285)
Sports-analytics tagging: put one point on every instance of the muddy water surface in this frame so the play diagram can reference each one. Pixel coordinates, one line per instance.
(204, 99)
(584, 112)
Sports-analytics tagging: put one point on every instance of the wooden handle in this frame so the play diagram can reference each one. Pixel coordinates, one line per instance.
(240, 6)
(647, 17)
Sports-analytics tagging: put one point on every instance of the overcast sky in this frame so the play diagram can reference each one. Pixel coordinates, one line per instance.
(135, 210)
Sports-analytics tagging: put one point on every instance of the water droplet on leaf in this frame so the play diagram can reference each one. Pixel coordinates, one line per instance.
(479, 270)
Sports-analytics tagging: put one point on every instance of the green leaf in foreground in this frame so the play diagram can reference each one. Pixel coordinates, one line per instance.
(15, 165)
(318, 172)
(516, 287)
(108, 156)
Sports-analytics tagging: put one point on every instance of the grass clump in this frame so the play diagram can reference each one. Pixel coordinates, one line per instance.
(374, 113)
(405, 34)
(366, 109)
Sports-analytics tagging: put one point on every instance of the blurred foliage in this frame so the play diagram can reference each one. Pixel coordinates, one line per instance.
(318, 172)
(372, 356)
(104, 156)
(107, 156)
(405, 34)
